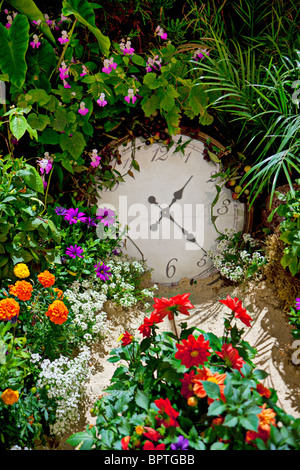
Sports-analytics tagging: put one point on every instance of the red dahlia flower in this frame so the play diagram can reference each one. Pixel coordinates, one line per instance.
(145, 328)
(150, 446)
(152, 434)
(167, 414)
(192, 351)
(187, 384)
(126, 338)
(231, 356)
(239, 312)
(179, 303)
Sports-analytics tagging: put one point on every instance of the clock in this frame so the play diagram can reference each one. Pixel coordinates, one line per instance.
(171, 208)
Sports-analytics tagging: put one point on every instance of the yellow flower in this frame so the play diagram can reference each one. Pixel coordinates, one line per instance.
(21, 271)
(9, 396)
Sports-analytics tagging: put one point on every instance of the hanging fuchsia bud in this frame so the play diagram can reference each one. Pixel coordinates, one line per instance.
(64, 37)
(35, 43)
(84, 71)
(82, 109)
(101, 100)
(66, 84)
(9, 21)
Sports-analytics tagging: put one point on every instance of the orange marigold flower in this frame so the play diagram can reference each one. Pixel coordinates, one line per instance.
(266, 418)
(9, 308)
(22, 290)
(139, 430)
(217, 421)
(60, 294)
(206, 375)
(178, 303)
(57, 312)
(46, 279)
(9, 396)
(192, 351)
(263, 391)
(21, 270)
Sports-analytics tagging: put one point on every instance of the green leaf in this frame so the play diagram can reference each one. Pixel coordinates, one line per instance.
(259, 374)
(219, 446)
(74, 144)
(216, 408)
(37, 95)
(150, 104)
(83, 439)
(212, 389)
(230, 421)
(14, 43)
(29, 9)
(18, 125)
(38, 122)
(84, 13)
(142, 399)
(138, 60)
(167, 97)
(173, 119)
(33, 179)
(250, 422)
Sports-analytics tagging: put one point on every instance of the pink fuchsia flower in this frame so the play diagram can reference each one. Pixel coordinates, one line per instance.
(101, 100)
(200, 54)
(106, 216)
(102, 271)
(49, 22)
(126, 48)
(153, 63)
(64, 37)
(130, 96)
(73, 216)
(45, 164)
(109, 65)
(297, 303)
(35, 43)
(74, 251)
(82, 109)
(160, 32)
(64, 70)
(95, 158)
(37, 23)
(84, 71)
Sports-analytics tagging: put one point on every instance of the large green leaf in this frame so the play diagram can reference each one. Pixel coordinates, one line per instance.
(84, 13)
(14, 44)
(73, 144)
(29, 9)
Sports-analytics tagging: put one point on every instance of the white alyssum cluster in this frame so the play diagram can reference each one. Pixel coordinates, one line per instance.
(89, 319)
(235, 258)
(123, 284)
(66, 378)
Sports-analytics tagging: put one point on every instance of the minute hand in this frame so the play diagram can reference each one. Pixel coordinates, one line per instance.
(178, 194)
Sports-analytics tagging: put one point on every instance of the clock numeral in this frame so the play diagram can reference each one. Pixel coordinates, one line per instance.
(202, 261)
(126, 163)
(162, 157)
(187, 157)
(225, 203)
(171, 269)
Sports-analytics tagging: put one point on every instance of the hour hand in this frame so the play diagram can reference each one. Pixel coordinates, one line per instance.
(178, 194)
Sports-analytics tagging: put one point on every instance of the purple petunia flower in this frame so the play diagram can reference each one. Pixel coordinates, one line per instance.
(297, 303)
(181, 444)
(60, 210)
(73, 216)
(106, 216)
(74, 251)
(102, 271)
(90, 222)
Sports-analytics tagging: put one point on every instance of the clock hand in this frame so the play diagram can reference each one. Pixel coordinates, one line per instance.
(178, 194)
(154, 227)
(190, 237)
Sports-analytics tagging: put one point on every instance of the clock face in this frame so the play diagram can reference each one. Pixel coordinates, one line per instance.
(169, 209)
